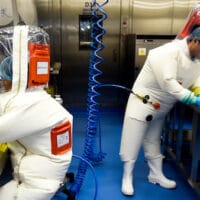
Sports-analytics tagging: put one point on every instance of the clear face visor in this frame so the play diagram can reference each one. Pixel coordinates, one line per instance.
(27, 73)
(192, 21)
(6, 74)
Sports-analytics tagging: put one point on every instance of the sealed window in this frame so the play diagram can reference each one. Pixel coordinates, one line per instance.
(85, 27)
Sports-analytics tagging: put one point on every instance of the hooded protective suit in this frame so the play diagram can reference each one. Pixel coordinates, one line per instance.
(33, 125)
(166, 76)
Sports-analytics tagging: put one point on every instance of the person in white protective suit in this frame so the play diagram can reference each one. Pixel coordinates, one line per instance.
(37, 129)
(166, 77)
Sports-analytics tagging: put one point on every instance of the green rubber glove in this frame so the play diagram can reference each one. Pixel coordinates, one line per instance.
(189, 99)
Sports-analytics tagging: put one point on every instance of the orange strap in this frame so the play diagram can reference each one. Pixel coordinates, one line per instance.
(61, 138)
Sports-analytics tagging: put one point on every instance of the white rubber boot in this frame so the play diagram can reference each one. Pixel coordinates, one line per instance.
(156, 175)
(127, 179)
(132, 137)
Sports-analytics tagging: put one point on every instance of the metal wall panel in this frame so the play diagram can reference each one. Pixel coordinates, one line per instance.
(180, 13)
(156, 17)
(152, 16)
(49, 17)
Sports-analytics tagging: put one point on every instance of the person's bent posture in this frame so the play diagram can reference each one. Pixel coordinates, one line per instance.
(167, 74)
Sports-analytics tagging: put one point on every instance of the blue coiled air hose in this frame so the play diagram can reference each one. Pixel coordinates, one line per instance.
(93, 106)
(93, 172)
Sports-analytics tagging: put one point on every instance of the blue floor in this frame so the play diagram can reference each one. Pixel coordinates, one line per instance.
(109, 172)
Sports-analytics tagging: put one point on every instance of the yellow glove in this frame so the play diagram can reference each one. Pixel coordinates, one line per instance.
(196, 90)
(3, 156)
(3, 147)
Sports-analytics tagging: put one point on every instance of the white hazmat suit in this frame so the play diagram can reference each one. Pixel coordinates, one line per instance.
(40, 156)
(165, 77)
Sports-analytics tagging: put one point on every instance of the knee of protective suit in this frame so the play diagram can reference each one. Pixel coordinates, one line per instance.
(152, 149)
(37, 189)
(8, 191)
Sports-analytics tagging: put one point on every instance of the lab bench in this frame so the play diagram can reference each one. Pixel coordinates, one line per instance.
(181, 141)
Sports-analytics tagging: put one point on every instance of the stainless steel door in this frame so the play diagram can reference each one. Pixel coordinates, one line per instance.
(75, 62)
